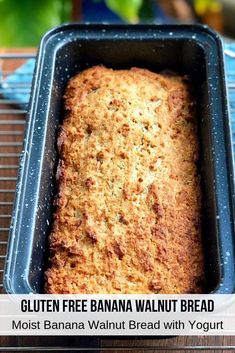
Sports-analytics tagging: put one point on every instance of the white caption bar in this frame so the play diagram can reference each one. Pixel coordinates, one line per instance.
(121, 315)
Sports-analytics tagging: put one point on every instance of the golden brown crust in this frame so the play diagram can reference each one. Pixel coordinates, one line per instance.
(128, 216)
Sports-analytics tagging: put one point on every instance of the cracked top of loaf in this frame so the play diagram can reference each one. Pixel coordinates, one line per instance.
(128, 209)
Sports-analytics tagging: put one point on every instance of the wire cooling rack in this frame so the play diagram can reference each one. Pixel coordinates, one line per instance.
(12, 123)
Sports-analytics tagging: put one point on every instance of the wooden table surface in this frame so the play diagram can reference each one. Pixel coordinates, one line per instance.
(78, 342)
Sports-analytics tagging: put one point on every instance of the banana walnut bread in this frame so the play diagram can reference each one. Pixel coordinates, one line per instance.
(128, 211)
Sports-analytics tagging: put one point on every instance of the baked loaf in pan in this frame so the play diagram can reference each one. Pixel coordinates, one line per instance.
(128, 209)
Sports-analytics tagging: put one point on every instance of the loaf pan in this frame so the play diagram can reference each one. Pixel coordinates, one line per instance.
(66, 50)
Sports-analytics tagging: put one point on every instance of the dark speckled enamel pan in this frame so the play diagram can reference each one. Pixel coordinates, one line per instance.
(192, 50)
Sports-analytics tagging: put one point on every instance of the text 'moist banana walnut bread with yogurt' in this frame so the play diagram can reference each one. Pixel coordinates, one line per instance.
(128, 209)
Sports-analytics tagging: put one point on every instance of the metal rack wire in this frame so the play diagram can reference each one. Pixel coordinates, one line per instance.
(12, 122)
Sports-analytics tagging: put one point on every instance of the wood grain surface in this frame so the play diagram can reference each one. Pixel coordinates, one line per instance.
(221, 343)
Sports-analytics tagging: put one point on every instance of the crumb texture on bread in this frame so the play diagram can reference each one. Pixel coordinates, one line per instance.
(128, 209)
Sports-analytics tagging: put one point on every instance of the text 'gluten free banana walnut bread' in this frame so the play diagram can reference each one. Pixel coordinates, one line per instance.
(128, 210)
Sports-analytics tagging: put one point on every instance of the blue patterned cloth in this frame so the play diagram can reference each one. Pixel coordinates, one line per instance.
(230, 78)
(17, 85)
(230, 73)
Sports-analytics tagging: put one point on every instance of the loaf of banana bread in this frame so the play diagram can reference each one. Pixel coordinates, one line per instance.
(128, 211)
